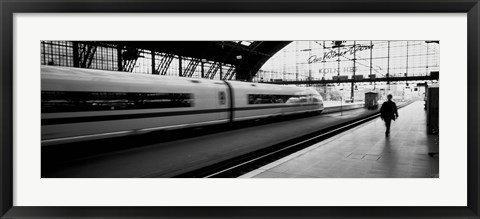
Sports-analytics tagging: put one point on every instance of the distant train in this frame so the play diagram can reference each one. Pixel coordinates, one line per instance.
(83, 104)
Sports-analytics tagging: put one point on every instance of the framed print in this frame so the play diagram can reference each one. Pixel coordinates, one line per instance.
(43, 33)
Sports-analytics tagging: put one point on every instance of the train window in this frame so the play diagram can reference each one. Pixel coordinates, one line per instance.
(77, 101)
(274, 98)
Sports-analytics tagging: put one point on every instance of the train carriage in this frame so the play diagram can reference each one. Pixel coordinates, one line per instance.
(82, 104)
(254, 100)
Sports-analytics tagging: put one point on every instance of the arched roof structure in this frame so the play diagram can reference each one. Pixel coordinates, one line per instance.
(247, 56)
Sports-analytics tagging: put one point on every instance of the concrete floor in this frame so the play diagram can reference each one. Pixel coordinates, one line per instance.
(365, 152)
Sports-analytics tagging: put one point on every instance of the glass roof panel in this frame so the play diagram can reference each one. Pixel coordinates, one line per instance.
(244, 43)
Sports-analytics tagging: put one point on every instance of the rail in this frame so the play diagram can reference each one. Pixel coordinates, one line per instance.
(240, 165)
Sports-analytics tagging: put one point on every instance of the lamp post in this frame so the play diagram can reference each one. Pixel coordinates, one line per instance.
(341, 102)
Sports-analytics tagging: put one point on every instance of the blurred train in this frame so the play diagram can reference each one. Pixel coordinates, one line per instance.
(83, 104)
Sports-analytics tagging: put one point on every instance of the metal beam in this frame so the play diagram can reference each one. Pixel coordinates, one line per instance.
(164, 64)
(410, 78)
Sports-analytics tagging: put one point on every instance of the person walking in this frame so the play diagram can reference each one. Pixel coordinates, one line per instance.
(388, 112)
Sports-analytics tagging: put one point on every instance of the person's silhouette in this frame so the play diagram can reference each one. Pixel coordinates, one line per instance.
(388, 112)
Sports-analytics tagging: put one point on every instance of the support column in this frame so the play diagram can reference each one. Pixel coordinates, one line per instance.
(388, 65)
(353, 77)
(203, 71)
(338, 70)
(153, 63)
(371, 68)
(180, 66)
(76, 58)
(44, 53)
(242, 74)
(221, 72)
(406, 68)
(426, 67)
(119, 58)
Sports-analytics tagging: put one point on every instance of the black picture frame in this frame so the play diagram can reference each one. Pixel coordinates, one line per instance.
(9, 7)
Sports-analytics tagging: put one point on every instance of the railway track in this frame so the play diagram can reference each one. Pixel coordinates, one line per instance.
(240, 165)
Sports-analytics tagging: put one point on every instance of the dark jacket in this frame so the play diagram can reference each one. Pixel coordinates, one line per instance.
(389, 110)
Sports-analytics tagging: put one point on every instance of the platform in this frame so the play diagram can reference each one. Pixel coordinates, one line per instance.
(365, 152)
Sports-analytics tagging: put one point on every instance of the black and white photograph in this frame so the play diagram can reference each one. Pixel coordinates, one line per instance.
(234, 109)
(240, 109)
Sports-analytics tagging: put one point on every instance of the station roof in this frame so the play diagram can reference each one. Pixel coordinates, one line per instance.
(247, 56)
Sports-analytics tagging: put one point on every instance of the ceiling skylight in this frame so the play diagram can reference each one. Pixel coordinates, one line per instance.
(245, 43)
